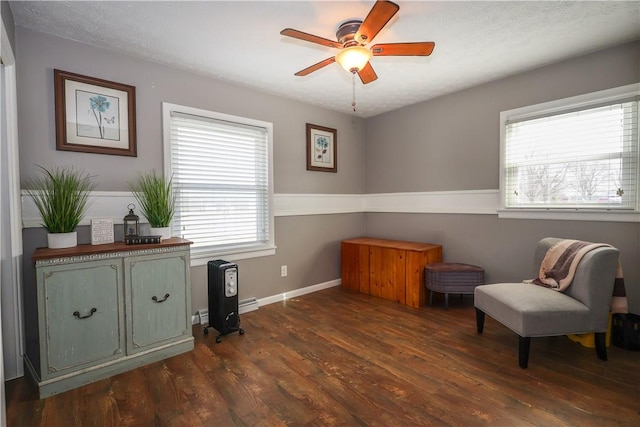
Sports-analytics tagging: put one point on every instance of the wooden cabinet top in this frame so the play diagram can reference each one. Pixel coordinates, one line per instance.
(395, 244)
(80, 250)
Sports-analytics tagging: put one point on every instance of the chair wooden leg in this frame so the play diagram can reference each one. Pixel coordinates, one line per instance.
(523, 351)
(479, 320)
(601, 344)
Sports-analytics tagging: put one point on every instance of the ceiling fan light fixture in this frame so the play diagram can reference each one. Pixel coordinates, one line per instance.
(353, 58)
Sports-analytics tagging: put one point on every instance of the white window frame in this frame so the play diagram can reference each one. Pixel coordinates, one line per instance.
(549, 108)
(232, 254)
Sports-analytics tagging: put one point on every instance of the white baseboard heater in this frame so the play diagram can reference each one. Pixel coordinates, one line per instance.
(245, 306)
(248, 305)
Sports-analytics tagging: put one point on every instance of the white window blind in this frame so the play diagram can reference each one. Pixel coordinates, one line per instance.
(578, 158)
(221, 182)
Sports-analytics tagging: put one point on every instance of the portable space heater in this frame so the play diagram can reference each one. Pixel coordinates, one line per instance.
(222, 279)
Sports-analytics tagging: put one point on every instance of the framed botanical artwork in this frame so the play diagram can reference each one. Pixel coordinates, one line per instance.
(322, 149)
(94, 115)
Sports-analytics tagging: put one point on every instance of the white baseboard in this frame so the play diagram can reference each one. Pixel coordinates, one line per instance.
(252, 304)
(298, 292)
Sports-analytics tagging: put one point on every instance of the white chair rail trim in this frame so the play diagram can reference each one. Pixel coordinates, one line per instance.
(102, 205)
(113, 205)
(476, 202)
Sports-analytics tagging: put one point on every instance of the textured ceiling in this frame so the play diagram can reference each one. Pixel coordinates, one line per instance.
(240, 41)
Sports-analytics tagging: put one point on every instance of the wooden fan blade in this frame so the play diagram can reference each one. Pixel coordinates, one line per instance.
(367, 75)
(317, 66)
(380, 14)
(403, 49)
(290, 32)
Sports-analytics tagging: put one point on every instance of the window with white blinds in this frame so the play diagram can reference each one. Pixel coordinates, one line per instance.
(221, 172)
(578, 157)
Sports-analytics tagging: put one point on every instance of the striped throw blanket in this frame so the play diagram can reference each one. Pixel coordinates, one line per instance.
(559, 266)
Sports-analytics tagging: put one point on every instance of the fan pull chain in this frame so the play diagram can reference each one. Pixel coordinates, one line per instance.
(353, 98)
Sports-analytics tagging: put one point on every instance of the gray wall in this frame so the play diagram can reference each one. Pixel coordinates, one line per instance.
(449, 143)
(38, 54)
(7, 20)
(452, 143)
(309, 245)
(504, 247)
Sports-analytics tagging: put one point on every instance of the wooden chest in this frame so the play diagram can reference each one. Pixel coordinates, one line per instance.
(389, 269)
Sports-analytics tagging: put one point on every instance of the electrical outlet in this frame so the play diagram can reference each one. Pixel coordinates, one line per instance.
(283, 271)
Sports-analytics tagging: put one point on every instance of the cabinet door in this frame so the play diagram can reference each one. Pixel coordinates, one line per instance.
(81, 315)
(387, 273)
(158, 307)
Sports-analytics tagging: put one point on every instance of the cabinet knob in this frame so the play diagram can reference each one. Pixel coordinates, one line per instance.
(77, 314)
(155, 298)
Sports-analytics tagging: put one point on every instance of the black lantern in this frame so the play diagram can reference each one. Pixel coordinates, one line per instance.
(131, 223)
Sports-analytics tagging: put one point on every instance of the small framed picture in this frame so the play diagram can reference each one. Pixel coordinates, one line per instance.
(321, 149)
(94, 115)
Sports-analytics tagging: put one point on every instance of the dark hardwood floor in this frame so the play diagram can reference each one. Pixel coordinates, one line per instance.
(341, 358)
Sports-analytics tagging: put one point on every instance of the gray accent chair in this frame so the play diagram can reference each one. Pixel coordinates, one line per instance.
(535, 311)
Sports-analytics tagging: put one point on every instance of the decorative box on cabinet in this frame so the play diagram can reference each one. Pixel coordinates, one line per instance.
(106, 309)
(389, 269)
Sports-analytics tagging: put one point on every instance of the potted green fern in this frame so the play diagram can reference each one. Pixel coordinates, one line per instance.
(61, 195)
(155, 198)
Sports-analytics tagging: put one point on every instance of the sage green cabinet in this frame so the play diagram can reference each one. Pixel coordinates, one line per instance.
(106, 309)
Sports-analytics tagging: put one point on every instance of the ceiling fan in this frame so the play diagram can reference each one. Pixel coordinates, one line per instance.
(352, 37)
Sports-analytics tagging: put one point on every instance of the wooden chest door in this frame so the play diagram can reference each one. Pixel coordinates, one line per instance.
(387, 273)
(355, 267)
